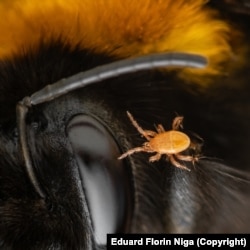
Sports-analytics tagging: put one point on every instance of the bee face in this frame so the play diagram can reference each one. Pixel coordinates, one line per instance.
(73, 142)
(70, 133)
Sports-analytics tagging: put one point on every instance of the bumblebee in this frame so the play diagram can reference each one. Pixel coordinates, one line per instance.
(69, 71)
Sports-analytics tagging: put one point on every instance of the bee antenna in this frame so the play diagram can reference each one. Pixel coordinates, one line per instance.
(22, 110)
(115, 69)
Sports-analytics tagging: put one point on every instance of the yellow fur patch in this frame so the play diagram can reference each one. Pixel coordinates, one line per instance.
(123, 28)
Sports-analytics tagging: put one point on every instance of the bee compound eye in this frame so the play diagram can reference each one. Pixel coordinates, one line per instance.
(102, 175)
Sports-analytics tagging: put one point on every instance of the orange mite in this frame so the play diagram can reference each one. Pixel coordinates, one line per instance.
(169, 143)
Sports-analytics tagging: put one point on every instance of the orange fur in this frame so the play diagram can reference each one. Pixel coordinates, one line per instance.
(123, 28)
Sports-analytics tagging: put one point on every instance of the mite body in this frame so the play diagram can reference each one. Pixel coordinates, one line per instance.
(170, 143)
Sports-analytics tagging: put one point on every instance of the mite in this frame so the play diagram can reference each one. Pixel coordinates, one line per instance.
(170, 143)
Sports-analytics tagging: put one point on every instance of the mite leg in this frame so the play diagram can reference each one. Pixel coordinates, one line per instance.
(177, 122)
(160, 129)
(150, 133)
(176, 163)
(137, 126)
(155, 157)
(193, 159)
(131, 151)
